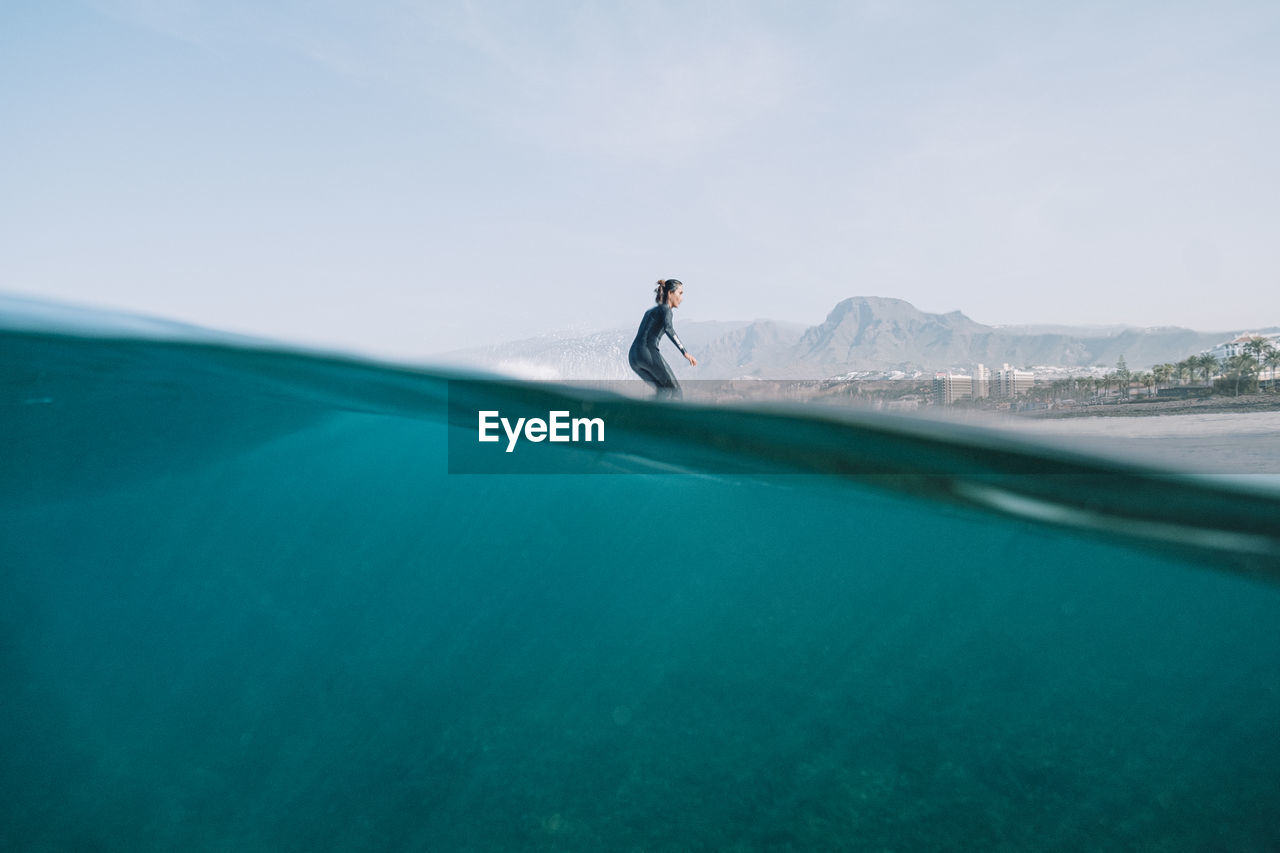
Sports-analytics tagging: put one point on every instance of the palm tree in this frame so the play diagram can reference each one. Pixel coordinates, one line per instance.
(1185, 368)
(1272, 360)
(1256, 347)
(1261, 351)
(1207, 363)
(1240, 367)
(1148, 379)
(1161, 373)
(1123, 376)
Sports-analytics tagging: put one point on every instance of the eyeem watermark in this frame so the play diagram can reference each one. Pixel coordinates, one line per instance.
(558, 426)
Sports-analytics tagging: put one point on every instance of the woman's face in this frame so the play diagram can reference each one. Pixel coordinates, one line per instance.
(675, 297)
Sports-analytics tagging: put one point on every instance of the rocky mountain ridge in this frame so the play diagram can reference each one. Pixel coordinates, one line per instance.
(861, 334)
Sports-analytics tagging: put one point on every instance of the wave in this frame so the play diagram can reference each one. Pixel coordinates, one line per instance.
(251, 600)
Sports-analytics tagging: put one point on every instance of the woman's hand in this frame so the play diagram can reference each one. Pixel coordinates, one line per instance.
(693, 362)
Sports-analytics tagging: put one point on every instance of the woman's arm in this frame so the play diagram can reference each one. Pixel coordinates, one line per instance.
(671, 333)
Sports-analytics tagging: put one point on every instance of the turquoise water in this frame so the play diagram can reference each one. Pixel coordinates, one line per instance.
(246, 606)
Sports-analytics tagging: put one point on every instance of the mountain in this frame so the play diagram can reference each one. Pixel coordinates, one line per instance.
(860, 334)
(872, 332)
(746, 350)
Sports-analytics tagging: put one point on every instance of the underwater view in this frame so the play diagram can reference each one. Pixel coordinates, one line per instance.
(262, 600)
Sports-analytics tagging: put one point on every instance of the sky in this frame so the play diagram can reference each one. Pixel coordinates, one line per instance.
(403, 178)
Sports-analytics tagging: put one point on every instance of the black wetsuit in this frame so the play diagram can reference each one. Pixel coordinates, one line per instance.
(644, 356)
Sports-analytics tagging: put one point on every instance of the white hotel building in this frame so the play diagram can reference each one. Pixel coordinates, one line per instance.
(1235, 346)
(1004, 383)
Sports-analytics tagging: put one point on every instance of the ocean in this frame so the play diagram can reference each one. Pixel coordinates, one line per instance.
(254, 599)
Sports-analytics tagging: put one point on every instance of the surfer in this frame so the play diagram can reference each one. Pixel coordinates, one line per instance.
(644, 356)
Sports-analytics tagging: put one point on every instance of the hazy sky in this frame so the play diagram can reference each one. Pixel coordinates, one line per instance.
(406, 177)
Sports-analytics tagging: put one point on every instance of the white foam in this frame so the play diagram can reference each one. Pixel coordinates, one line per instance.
(522, 369)
(25, 314)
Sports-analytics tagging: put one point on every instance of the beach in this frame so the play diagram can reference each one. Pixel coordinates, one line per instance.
(1143, 406)
(1235, 442)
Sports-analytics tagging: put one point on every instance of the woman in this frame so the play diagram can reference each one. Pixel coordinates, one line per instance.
(644, 356)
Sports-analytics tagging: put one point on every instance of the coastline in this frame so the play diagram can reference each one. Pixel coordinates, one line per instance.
(1141, 407)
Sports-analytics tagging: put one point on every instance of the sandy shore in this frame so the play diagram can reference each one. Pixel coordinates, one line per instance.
(1142, 406)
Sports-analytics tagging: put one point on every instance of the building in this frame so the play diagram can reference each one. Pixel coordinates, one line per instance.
(1235, 346)
(981, 382)
(1009, 382)
(1005, 383)
(949, 387)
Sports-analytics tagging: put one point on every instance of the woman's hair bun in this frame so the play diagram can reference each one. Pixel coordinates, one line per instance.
(665, 285)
